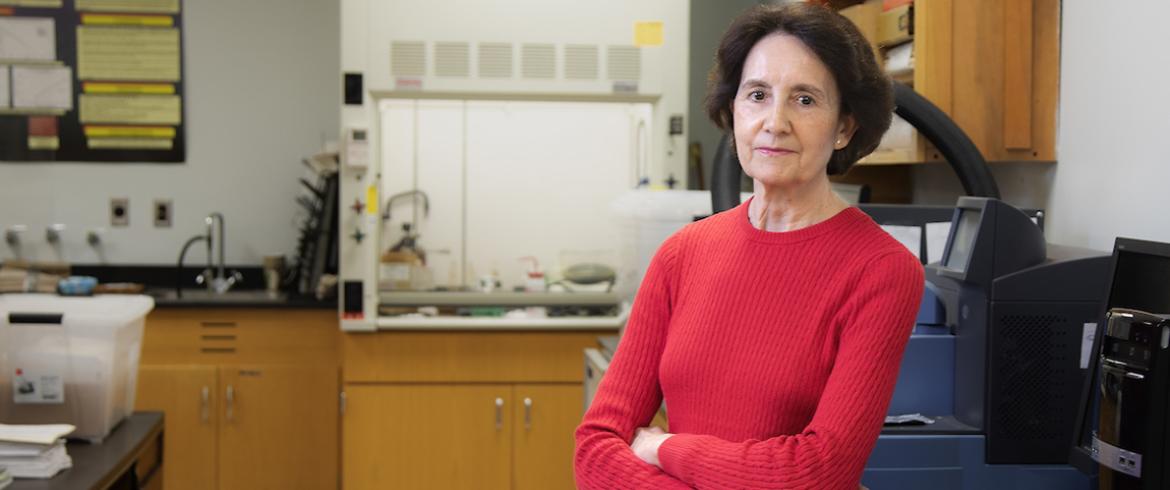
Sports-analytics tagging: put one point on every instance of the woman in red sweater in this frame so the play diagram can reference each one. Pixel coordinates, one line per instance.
(772, 331)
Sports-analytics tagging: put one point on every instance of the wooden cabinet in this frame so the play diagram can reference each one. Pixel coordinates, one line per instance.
(242, 410)
(427, 436)
(544, 417)
(992, 65)
(186, 394)
(452, 410)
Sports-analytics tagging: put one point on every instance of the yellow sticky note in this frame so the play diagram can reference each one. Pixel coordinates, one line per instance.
(648, 33)
(371, 200)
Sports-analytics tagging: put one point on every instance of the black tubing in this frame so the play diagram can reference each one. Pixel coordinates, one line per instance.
(954, 145)
(725, 176)
(179, 267)
(938, 128)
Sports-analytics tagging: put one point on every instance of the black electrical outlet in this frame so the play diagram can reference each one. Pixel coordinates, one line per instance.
(353, 89)
(676, 124)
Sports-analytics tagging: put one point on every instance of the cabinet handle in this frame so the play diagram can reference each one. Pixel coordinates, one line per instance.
(231, 403)
(527, 413)
(203, 412)
(499, 413)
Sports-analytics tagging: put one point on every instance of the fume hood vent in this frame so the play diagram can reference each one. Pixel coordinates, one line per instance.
(408, 58)
(581, 62)
(538, 61)
(452, 59)
(624, 63)
(495, 60)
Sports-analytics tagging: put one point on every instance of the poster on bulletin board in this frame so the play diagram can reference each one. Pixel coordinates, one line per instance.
(91, 81)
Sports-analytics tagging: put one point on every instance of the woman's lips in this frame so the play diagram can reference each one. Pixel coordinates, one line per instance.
(773, 151)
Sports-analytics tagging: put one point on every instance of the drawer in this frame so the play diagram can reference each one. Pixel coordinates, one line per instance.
(214, 336)
(466, 357)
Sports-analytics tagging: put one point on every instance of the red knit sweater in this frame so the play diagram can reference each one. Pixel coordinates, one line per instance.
(776, 354)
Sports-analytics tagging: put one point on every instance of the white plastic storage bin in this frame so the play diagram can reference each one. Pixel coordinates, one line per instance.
(649, 217)
(70, 360)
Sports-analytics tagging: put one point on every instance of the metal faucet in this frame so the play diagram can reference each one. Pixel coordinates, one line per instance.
(214, 276)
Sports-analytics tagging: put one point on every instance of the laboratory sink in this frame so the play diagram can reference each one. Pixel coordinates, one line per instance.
(205, 297)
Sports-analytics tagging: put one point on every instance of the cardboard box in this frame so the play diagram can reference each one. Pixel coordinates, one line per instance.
(865, 17)
(896, 26)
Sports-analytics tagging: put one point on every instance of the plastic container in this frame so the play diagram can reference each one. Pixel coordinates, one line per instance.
(649, 217)
(68, 360)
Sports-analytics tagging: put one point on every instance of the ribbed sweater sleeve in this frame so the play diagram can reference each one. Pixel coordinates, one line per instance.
(629, 394)
(831, 451)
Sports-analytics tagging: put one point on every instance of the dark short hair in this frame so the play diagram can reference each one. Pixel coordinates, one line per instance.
(866, 92)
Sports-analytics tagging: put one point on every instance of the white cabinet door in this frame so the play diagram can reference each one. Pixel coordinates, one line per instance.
(422, 148)
(540, 178)
(509, 179)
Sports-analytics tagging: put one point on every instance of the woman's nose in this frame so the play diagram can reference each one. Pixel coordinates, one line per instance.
(776, 119)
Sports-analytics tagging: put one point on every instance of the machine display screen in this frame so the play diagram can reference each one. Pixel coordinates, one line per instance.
(962, 240)
(1141, 282)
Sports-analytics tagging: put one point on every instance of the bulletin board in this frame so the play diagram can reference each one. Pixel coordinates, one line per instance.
(91, 81)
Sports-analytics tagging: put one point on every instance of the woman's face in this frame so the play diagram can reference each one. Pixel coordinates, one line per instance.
(787, 114)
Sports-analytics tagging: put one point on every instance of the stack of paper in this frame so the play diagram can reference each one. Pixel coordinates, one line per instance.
(34, 451)
(13, 280)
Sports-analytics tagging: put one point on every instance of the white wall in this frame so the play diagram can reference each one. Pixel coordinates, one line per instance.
(262, 91)
(1114, 167)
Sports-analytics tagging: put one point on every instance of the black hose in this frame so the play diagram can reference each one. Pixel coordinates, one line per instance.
(725, 176)
(179, 267)
(954, 145)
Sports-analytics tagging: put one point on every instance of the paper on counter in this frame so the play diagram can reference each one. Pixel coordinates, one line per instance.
(909, 236)
(5, 90)
(936, 240)
(35, 434)
(28, 39)
(49, 86)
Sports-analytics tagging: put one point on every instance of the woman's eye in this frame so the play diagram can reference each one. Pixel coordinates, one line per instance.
(805, 100)
(757, 95)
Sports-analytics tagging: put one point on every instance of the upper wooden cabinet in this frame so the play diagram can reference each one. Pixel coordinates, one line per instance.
(994, 67)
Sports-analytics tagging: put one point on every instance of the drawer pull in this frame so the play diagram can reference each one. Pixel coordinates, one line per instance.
(218, 324)
(499, 413)
(204, 399)
(218, 350)
(217, 337)
(527, 413)
(231, 403)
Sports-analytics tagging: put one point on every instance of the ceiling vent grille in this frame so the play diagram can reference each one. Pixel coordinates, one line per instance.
(538, 61)
(408, 58)
(495, 60)
(624, 63)
(581, 62)
(452, 59)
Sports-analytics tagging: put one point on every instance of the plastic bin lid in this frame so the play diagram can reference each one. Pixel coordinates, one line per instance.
(113, 308)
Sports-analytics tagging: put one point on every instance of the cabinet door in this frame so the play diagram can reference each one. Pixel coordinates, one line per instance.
(445, 436)
(187, 395)
(279, 427)
(545, 417)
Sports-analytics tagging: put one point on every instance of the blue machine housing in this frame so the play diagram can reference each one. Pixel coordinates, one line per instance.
(947, 454)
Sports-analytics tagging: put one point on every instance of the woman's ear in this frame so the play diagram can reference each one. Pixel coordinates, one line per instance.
(846, 128)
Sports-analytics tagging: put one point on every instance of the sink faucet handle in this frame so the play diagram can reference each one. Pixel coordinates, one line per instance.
(236, 277)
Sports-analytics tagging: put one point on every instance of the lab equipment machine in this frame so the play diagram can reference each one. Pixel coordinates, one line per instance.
(1122, 431)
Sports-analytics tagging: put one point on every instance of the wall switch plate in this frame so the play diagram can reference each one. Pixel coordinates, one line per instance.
(163, 212)
(120, 211)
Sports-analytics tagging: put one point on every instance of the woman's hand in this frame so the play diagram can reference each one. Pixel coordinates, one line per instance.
(646, 442)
